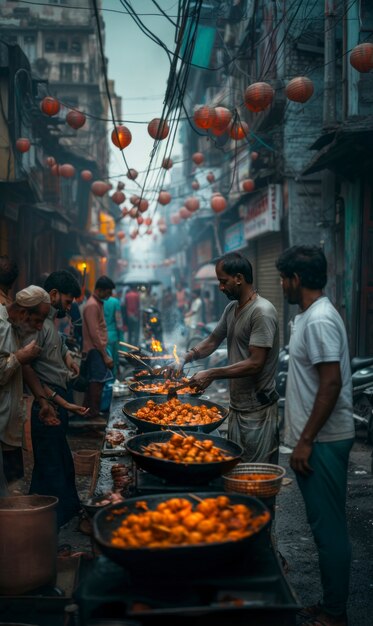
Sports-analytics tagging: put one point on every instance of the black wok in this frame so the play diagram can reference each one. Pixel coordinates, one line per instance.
(175, 561)
(132, 406)
(182, 473)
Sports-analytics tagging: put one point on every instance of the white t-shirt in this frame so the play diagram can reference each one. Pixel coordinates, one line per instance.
(196, 311)
(318, 336)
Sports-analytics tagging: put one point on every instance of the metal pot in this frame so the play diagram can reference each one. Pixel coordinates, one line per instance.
(28, 543)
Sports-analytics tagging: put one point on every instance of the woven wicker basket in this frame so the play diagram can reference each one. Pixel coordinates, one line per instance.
(85, 461)
(262, 488)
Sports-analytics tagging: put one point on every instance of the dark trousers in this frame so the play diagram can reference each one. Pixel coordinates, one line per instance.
(133, 324)
(53, 473)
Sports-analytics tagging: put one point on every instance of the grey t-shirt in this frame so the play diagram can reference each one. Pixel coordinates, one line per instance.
(255, 325)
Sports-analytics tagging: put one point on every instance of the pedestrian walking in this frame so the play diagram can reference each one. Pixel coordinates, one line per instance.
(208, 307)
(114, 325)
(132, 303)
(195, 314)
(319, 423)
(250, 326)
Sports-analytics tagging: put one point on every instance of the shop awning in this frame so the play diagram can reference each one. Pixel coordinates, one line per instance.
(206, 272)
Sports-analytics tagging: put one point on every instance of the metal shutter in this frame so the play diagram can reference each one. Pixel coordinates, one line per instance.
(267, 278)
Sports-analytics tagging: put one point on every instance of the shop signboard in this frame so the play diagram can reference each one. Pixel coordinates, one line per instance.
(263, 213)
(234, 237)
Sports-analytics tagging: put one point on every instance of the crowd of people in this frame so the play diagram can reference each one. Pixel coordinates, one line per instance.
(319, 424)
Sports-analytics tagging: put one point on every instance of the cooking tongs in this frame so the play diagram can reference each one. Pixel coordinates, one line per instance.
(172, 391)
(153, 371)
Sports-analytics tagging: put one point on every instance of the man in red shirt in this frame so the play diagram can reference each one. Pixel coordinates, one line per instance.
(132, 302)
(95, 339)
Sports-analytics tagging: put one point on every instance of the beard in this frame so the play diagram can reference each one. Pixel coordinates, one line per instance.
(231, 296)
(61, 312)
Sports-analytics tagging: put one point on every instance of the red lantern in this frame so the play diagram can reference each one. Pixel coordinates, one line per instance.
(254, 156)
(164, 198)
(192, 204)
(148, 221)
(50, 106)
(118, 197)
(361, 57)
(184, 213)
(140, 220)
(124, 212)
(222, 120)
(99, 188)
(239, 130)
(167, 163)
(133, 213)
(86, 175)
(248, 185)
(198, 158)
(158, 129)
(55, 170)
(67, 170)
(195, 185)
(204, 117)
(23, 144)
(143, 205)
(75, 119)
(299, 89)
(134, 200)
(134, 234)
(218, 203)
(50, 161)
(120, 185)
(121, 137)
(258, 96)
(132, 174)
(210, 177)
(175, 218)
(121, 235)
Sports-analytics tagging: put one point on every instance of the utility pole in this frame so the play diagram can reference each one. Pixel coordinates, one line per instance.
(329, 110)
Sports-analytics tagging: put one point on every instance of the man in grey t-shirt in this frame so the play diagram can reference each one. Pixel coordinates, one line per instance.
(250, 325)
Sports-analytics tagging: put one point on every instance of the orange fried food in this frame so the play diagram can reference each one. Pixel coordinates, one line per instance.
(174, 412)
(186, 449)
(255, 476)
(175, 522)
(163, 387)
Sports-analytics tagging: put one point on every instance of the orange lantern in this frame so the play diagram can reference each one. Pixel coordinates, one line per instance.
(50, 106)
(258, 96)
(164, 198)
(299, 89)
(167, 163)
(148, 221)
(210, 177)
(132, 174)
(204, 117)
(158, 129)
(86, 175)
(195, 185)
(121, 235)
(221, 122)
(361, 57)
(248, 185)
(118, 197)
(133, 213)
(143, 205)
(50, 161)
(75, 119)
(23, 144)
(218, 203)
(121, 137)
(184, 213)
(175, 218)
(198, 158)
(140, 220)
(99, 188)
(67, 170)
(192, 204)
(254, 156)
(239, 130)
(55, 170)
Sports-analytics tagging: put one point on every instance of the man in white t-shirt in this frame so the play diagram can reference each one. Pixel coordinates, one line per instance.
(195, 314)
(319, 423)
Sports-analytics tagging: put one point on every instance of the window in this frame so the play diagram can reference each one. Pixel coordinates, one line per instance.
(29, 39)
(66, 72)
(76, 46)
(49, 45)
(62, 45)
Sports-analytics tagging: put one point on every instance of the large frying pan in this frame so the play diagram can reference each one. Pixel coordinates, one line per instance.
(182, 473)
(176, 561)
(140, 393)
(132, 406)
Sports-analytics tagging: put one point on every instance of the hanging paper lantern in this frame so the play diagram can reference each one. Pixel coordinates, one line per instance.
(164, 198)
(184, 213)
(258, 96)
(221, 122)
(218, 203)
(239, 130)
(23, 144)
(361, 57)
(125, 212)
(195, 185)
(67, 170)
(121, 235)
(86, 175)
(248, 185)
(299, 89)
(148, 221)
(175, 218)
(133, 213)
(120, 185)
(167, 163)
(75, 119)
(204, 117)
(118, 197)
(254, 156)
(158, 129)
(134, 234)
(198, 158)
(149, 231)
(134, 200)
(99, 188)
(50, 161)
(132, 174)
(50, 106)
(162, 228)
(192, 204)
(121, 137)
(143, 205)
(55, 170)
(210, 177)
(140, 220)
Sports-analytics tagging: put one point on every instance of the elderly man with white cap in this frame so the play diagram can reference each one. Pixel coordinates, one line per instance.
(22, 317)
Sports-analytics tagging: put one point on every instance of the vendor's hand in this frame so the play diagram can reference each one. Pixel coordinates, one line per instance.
(47, 414)
(79, 410)
(201, 380)
(300, 457)
(108, 362)
(71, 364)
(174, 369)
(28, 353)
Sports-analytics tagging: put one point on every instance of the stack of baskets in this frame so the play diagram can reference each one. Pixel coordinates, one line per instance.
(262, 480)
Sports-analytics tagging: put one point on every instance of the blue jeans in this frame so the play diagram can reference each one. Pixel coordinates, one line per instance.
(324, 494)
